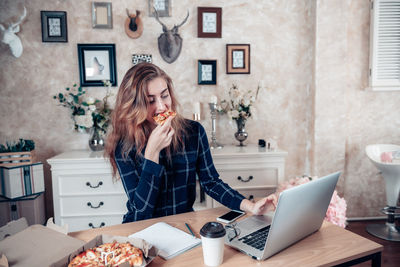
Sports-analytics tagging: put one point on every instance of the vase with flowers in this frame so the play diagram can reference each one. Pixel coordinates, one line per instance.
(238, 108)
(89, 114)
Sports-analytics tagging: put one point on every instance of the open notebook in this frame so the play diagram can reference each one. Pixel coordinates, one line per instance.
(169, 240)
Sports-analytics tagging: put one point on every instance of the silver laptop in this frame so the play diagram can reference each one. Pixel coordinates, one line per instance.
(299, 213)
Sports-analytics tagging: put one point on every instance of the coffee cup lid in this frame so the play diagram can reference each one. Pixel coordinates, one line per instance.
(212, 230)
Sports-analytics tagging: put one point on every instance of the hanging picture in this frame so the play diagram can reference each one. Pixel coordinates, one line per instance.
(163, 8)
(238, 59)
(96, 64)
(102, 15)
(137, 58)
(54, 26)
(209, 22)
(207, 71)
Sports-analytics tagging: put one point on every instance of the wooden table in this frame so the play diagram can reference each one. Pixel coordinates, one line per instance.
(329, 246)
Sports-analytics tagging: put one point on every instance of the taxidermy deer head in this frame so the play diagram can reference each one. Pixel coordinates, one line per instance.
(169, 42)
(10, 37)
(133, 25)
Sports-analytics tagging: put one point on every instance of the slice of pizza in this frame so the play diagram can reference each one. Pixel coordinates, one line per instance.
(162, 117)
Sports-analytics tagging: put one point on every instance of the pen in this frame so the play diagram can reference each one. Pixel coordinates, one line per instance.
(188, 227)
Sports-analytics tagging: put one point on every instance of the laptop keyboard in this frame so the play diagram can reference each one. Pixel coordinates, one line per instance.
(256, 239)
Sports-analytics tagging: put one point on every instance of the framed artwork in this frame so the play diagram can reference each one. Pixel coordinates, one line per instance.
(54, 26)
(163, 8)
(138, 58)
(207, 72)
(96, 64)
(102, 15)
(209, 22)
(238, 59)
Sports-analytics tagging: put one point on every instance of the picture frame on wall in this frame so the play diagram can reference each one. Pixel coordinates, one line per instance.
(238, 58)
(207, 71)
(102, 15)
(163, 8)
(54, 26)
(209, 22)
(97, 62)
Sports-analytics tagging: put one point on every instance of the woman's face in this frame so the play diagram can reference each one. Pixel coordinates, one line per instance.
(159, 98)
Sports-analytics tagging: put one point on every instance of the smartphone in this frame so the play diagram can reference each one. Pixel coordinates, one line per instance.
(231, 216)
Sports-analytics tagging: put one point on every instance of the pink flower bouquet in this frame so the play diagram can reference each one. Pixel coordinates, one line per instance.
(336, 212)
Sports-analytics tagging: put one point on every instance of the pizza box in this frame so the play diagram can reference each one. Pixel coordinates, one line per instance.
(150, 252)
(37, 245)
(42, 246)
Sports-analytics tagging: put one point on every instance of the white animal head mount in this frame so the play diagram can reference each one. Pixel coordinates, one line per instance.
(10, 37)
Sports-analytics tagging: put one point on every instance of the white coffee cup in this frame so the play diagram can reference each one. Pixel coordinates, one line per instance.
(212, 240)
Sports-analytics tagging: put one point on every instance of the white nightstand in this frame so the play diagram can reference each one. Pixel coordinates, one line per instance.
(255, 172)
(84, 194)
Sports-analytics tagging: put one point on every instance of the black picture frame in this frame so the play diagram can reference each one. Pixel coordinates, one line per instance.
(207, 72)
(54, 26)
(211, 27)
(97, 62)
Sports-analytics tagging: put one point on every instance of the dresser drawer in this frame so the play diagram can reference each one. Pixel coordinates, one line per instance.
(93, 205)
(248, 178)
(85, 222)
(89, 184)
(250, 194)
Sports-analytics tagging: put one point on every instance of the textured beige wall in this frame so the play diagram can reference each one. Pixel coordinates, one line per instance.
(312, 55)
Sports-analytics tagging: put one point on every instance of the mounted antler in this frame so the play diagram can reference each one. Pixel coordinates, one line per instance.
(133, 25)
(10, 37)
(183, 22)
(169, 42)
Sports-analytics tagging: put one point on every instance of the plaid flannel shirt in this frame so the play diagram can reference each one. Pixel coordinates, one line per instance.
(156, 190)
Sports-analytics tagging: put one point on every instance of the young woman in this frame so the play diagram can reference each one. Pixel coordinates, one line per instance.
(158, 163)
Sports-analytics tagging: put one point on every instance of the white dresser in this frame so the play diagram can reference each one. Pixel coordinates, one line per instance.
(255, 172)
(84, 194)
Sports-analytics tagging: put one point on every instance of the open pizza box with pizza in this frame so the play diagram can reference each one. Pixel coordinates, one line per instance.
(38, 245)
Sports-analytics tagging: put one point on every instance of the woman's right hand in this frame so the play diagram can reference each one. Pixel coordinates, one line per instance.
(159, 139)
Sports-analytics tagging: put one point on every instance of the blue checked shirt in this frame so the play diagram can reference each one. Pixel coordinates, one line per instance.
(156, 190)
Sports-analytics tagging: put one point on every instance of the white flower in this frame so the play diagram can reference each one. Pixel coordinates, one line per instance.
(90, 101)
(246, 102)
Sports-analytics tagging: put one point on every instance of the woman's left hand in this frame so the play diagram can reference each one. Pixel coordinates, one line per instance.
(261, 207)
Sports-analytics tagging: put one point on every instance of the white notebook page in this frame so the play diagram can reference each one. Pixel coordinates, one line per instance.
(169, 240)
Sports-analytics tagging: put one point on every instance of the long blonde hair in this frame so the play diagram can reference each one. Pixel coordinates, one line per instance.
(129, 125)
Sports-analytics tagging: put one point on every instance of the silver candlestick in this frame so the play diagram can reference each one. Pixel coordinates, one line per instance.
(214, 144)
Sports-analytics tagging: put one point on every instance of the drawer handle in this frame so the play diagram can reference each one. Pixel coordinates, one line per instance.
(95, 207)
(101, 225)
(251, 197)
(245, 181)
(96, 186)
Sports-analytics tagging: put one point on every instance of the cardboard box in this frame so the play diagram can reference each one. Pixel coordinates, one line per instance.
(30, 207)
(39, 245)
(21, 180)
(149, 251)
(12, 228)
